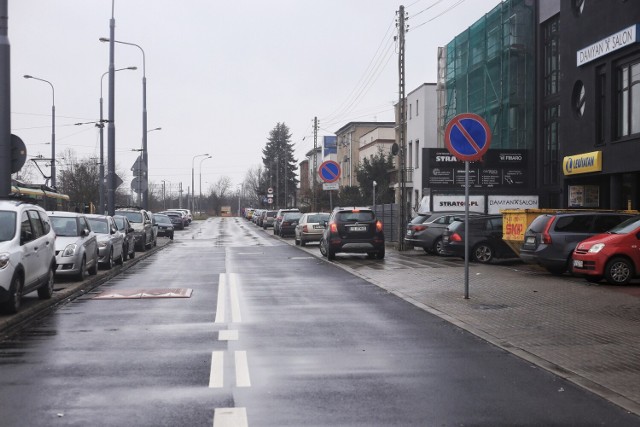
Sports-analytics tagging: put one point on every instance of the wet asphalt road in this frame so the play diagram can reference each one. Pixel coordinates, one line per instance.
(271, 336)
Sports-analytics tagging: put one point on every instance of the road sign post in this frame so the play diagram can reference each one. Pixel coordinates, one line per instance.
(467, 137)
(329, 172)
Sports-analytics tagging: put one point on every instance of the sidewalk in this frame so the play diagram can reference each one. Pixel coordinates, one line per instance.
(588, 334)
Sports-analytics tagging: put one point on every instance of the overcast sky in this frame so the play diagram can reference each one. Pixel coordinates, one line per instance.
(220, 74)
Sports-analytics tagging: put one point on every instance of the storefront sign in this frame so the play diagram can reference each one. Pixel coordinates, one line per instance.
(610, 44)
(498, 203)
(456, 203)
(582, 163)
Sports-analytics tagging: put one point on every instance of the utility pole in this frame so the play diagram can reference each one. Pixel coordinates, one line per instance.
(402, 118)
(315, 161)
(5, 101)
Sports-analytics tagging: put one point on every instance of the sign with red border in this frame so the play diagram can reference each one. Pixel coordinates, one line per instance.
(467, 137)
(329, 171)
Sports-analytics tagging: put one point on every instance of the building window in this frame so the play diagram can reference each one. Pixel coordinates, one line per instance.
(550, 140)
(410, 105)
(417, 107)
(578, 6)
(410, 155)
(417, 164)
(551, 33)
(578, 98)
(628, 99)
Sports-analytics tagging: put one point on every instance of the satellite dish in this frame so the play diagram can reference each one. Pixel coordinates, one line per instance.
(395, 149)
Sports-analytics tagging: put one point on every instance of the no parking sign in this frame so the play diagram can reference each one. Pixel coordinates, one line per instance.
(467, 137)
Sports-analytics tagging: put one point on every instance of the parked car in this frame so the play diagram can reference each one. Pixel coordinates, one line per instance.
(425, 230)
(287, 226)
(550, 239)
(110, 240)
(353, 230)
(182, 214)
(76, 245)
(165, 226)
(27, 253)
(140, 220)
(614, 255)
(176, 219)
(279, 217)
(485, 239)
(310, 227)
(125, 227)
(268, 219)
(186, 214)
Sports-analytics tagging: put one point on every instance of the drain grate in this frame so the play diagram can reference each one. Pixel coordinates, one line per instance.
(146, 293)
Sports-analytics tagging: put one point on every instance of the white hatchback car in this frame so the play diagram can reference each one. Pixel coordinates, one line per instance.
(27, 253)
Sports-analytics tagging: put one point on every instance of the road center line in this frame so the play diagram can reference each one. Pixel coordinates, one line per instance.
(228, 335)
(230, 417)
(242, 369)
(222, 296)
(216, 379)
(236, 317)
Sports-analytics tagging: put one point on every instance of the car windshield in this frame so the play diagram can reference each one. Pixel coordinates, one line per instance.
(98, 225)
(7, 225)
(627, 226)
(419, 219)
(131, 216)
(119, 222)
(162, 219)
(292, 216)
(64, 227)
(318, 218)
(355, 216)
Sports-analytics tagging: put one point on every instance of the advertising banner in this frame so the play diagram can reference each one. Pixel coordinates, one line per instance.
(498, 203)
(456, 203)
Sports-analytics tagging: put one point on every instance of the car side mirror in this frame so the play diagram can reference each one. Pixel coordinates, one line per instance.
(130, 230)
(85, 232)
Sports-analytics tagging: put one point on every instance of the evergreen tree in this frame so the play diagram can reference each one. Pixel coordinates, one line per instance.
(376, 168)
(279, 167)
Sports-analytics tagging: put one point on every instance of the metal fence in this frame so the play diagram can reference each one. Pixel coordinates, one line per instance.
(389, 214)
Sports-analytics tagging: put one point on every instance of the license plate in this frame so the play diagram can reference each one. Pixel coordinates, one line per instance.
(530, 240)
(577, 263)
(358, 228)
(318, 227)
(409, 233)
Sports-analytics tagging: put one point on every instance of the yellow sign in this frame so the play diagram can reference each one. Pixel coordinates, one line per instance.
(582, 163)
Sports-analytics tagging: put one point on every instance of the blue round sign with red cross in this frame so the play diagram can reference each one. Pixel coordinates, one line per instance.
(467, 137)
(329, 171)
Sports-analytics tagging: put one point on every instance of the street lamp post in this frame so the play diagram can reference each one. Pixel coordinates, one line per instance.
(374, 193)
(200, 196)
(101, 207)
(193, 180)
(145, 195)
(53, 127)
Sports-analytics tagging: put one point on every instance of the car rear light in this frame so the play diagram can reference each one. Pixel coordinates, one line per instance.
(455, 237)
(419, 227)
(304, 229)
(546, 237)
(285, 223)
(378, 225)
(333, 227)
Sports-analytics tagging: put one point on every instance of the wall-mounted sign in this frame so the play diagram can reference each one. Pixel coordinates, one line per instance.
(444, 202)
(607, 45)
(500, 169)
(498, 203)
(582, 163)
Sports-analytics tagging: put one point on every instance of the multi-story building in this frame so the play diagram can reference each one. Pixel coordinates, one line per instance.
(589, 114)
(348, 148)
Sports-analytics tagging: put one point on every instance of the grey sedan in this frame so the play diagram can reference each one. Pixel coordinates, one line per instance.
(110, 240)
(76, 245)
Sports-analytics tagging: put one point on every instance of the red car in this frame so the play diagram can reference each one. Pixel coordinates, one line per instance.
(614, 255)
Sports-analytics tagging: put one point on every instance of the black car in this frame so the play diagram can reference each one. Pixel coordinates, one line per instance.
(288, 224)
(165, 225)
(129, 245)
(353, 230)
(176, 219)
(485, 239)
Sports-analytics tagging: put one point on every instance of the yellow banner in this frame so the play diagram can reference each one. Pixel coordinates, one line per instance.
(582, 163)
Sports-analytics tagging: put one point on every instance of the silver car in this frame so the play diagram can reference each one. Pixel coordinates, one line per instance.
(310, 227)
(76, 245)
(110, 240)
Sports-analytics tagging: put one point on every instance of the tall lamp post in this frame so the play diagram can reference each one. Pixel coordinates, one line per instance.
(200, 196)
(145, 195)
(193, 208)
(101, 208)
(53, 127)
(374, 193)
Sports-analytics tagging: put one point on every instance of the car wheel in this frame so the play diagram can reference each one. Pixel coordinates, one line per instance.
(120, 259)
(303, 242)
(125, 252)
(323, 250)
(46, 290)
(371, 255)
(171, 237)
(264, 227)
(380, 254)
(12, 305)
(82, 274)
(296, 241)
(94, 268)
(618, 271)
(438, 247)
(482, 253)
(132, 255)
(331, 254)
(143, 245)
(110, 260)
